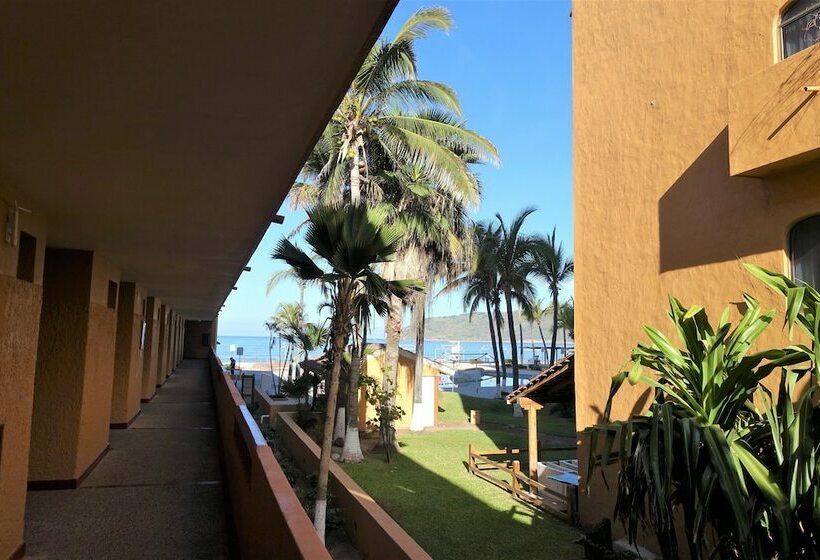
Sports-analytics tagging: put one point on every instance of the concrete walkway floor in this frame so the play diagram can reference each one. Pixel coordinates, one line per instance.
(157, 493)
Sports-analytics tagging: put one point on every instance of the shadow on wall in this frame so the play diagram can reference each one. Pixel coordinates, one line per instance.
(705, 215)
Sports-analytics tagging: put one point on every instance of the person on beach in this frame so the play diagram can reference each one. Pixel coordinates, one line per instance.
(233, 365)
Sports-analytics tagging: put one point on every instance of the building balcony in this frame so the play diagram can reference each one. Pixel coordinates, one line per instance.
(773, 116)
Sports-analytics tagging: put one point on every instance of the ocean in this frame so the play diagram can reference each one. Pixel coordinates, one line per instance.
(255, 349)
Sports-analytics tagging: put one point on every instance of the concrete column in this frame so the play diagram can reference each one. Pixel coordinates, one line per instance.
(162, 357)
(169, 360)
(128, 356)
(180, 328)
(150, 352)
(75, 368)
(174, 333)
(21, 290)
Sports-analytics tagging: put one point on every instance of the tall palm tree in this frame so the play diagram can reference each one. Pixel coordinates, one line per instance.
(437, 243)
(349, 241)
(515, 261)
(389, 122)
(480, 285)
(390, 118)
(555, 267)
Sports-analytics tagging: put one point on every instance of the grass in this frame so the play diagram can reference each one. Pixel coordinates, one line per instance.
(454, 407)
(452, 514)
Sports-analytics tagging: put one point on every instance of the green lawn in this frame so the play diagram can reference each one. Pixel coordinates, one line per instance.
(454, 407)
(453, 514)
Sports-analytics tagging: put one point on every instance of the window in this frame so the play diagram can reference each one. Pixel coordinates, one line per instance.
(112, 294)
(804, 245)
(26, 254)
(800, 26)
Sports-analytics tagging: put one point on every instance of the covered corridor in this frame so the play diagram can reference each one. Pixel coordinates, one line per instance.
(157, 493)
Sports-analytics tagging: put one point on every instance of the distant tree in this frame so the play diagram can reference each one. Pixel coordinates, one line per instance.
(555, 267)
(515, 262)
(536, 314)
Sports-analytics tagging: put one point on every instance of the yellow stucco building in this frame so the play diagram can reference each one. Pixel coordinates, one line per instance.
(696, 148)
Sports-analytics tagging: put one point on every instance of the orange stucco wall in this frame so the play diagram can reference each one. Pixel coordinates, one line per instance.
(162, 349)
(404, 387)
(20, 303)
(125, 399)
(267, 516)
(75, 365)
(656, 210)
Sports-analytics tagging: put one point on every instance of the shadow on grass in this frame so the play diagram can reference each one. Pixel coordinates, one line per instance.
(453, 514)
(497, 418)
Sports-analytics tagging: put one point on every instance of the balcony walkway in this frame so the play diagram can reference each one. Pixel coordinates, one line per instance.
(156, 494)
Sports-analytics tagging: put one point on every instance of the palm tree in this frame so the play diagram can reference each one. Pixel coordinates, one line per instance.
(363, 305)
(438, 243)
(276, 380)
(554, 266)
(349, 241)
(287, 274)
(536, 314)
(288, 320)
(566, 320)
(480, 285)
(392, 123)
(515, 262)
(389, 119)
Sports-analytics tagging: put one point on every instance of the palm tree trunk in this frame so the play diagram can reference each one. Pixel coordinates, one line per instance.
(543, 342)
(339, 335)
(391, 355)
(495, 347)
(511, 321)
(355, 176)
(564, 332)
(352, 451)
(499, 330)
(302, 294)
(419, 316)
(554, 325)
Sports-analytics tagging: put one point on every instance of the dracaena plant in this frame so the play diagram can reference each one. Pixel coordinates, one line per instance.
(700, 451)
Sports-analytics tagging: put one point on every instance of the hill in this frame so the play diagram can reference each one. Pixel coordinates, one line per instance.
(460, 327)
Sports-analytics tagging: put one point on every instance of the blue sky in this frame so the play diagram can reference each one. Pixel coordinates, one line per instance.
(509, 61)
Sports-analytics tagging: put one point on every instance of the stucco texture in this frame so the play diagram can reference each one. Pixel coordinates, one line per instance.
(150, 355)
(125, 398)
(19, 324)
(162, 349)
(75, 362)
(404, 387)
(656, 209)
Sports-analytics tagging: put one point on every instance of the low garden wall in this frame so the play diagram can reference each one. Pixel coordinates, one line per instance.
(272, 407)
(268, 518)
(374, 533)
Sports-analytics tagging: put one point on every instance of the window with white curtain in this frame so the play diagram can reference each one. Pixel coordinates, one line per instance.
(804, 246)
(800, 26)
